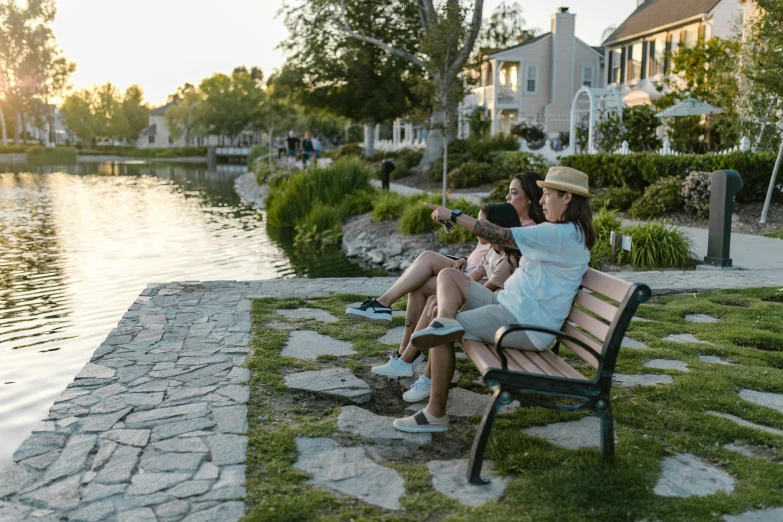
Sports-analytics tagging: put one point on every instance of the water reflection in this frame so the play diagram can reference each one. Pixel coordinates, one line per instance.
(77, 245)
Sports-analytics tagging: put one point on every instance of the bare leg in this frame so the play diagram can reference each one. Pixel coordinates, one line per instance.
(453, 290)
(416, 306)
(442, 362)
(427, 265)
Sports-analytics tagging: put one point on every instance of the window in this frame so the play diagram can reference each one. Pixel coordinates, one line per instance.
(513, 77)
(656, 56)
(587, 76)
(151, 139)
(691, 37)
(634, 62)
(171, 140)
(616, 65)
(531, 79)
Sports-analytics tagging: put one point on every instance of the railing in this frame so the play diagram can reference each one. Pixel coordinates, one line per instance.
(388, 145)
(666, 150)
(232, 151)
(508, 94)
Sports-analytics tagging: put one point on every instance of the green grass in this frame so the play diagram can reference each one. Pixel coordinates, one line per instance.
(777, 234)
(547, 483)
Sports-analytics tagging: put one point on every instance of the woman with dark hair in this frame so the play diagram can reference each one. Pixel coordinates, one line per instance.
(525, 194)
(540, 292)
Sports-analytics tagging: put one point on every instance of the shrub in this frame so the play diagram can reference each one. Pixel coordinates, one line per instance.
(320, 227)
(658, 199)
(514, 162)
(656, 245)
(256, 152)
(481, 149)
(533, 133)
(416, 219)
(458, 234)
(51, 154)
(471, 174)
(640, 170)
(173, 152)
(292, 198)
(499, 191)
(350, 149)
(620, 198)
(388, 205)
(13, 149)
(409, 157)
(401, 171)
(360, 201)
(605, 221)
(696, 193)
(436, 170)
(279, 169)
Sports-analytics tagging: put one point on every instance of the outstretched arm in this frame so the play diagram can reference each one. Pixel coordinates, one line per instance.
(483, 229)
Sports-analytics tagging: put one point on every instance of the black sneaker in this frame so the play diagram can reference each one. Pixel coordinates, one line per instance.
(371, 311)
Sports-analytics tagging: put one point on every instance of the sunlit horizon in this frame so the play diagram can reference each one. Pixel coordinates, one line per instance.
(160, 45)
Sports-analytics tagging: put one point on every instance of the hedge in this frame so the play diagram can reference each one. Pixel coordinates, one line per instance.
(641, 170)
(51, 154)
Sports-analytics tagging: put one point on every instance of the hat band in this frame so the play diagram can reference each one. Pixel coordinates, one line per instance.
(568, 181)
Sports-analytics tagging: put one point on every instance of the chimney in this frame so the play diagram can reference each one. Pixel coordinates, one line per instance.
(563, 49)
(640, 2)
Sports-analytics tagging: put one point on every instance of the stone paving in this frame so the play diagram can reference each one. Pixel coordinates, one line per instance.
(153, 427)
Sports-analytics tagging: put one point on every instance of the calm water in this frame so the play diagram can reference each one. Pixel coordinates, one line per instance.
(79, 243)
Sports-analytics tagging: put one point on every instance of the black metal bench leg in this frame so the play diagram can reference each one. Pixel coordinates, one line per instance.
(481, 440)
(607, 433)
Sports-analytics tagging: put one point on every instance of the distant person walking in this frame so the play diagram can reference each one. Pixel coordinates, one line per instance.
(307, 148)
(293, 144)
(317, 147)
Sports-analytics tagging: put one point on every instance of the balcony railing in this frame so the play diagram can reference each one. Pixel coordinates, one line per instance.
(508, 94)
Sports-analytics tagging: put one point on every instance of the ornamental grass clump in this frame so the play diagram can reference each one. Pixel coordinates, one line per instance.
(659, 199)
(291, 199)
(696, 193)
(656, 245)
(605, 221)
(388, 205)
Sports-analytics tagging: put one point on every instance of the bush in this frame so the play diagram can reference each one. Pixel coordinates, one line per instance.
(499, 191)
(320, 227)
(436, 170)
(13, 149)
(514, 162)
(173, 152)
(279, 169)
(658, 199)
(696, 193)
(408, 157)
(361, 201)
(350, 149)
(640, 170)
(481, 149)
(256, 152)
(605, 221)
(291, 198)
(388, 205)
(472, 174)
(416, 219)
(401, 171)
(51, 154)
(656, 245)
(620, 198)
(458, 235)
(533, 133)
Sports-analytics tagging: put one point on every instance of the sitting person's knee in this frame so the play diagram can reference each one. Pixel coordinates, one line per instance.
(449, 274)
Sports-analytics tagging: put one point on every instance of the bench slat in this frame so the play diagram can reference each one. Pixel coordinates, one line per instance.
(578, 350)
(589, 323)
(561, 365)
(526, 364)
(595, 305)
(605, 285)
(482, 356)
(542, 363)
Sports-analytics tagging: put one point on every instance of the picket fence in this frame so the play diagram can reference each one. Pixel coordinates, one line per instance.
(666, 150)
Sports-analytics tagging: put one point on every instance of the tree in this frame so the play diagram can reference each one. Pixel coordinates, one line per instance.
(641, 126)
(327, 69)
(135, 111)
(184, 117)
(78, 116)
(505, 27)
(273, 114)
(32, 69)
(228, 102)
(446, 39)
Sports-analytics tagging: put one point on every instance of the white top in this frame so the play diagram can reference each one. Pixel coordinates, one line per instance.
(541, 291)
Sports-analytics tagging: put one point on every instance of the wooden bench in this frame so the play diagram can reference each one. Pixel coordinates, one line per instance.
(594, 331)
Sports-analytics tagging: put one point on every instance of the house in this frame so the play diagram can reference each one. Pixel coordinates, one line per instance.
(635, 52)
(48, 129)
(536, 80)
(156, 134)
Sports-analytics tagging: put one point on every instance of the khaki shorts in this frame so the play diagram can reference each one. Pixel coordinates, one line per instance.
(482, 316)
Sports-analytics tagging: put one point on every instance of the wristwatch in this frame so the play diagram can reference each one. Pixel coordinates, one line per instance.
(455, 214)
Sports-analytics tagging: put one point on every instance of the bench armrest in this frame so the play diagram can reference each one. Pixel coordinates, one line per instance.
(505, 330)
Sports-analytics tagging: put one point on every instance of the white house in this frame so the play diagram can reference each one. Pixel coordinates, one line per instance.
(635, 51)
(156, 134)
(536, 80)
(53, 132)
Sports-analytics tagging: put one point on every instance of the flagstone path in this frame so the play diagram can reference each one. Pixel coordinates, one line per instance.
(153, 427)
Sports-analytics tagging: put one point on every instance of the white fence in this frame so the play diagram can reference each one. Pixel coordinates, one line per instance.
(551, 155)
(389, 145)
(666, 150)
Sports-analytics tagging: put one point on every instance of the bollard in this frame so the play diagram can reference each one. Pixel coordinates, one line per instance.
(211, 158)
(725, 184)
(386, 169)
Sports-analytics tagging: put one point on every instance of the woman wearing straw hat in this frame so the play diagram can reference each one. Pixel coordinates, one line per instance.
(540, 292)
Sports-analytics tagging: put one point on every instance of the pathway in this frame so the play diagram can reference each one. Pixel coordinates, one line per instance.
(405, 190)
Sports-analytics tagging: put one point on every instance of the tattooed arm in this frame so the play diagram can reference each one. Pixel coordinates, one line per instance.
(482, 228)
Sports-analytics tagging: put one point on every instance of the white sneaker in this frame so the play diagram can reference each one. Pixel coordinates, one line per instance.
(419, 391)
(396, 367)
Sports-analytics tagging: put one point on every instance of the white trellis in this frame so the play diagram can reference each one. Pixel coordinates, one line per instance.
(588, 101)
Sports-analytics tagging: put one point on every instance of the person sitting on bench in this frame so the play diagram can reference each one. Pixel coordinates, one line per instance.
(540, 292)
(419, 280)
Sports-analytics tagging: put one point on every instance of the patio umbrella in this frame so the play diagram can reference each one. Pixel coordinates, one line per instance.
(689, 107)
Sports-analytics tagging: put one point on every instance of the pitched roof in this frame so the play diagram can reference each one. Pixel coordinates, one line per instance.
(657, 13)
(160, 111)
(146, 131)
(523, 44)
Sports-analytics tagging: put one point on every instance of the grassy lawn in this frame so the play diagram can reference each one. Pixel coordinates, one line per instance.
(548, 483)
(777, 234)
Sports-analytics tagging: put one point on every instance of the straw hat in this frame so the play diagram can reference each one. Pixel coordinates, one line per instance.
(567, 180)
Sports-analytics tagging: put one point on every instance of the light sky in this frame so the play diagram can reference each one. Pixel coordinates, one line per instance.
(161, 44)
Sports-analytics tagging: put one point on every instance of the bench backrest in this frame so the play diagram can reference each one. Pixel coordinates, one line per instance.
(601, 324)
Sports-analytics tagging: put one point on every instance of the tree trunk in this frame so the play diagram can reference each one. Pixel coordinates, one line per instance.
(2, 126)
(369, 137)
(271, 130)
(434, 148)
(17, 128)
